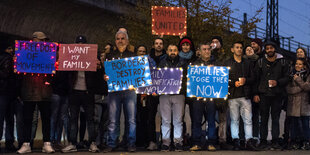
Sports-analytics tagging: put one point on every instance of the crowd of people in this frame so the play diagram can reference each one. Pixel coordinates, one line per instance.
(262, 83)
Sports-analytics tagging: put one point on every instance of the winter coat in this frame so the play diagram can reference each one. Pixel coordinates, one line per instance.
(247, 73)
(298, 97)
(8, 82)
(266, 70)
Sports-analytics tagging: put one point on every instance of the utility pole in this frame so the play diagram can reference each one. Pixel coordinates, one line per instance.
(272, 22)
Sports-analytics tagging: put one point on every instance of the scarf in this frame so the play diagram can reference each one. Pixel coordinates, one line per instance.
(187, 55)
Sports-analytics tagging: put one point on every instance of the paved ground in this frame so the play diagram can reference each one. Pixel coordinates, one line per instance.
(37, 152)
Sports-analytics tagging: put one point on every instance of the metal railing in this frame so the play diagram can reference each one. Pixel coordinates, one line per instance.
(286, 43)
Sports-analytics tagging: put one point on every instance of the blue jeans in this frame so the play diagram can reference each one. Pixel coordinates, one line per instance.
(172, 108)
(127, 99)
(59, 116)
(5, 102)
(197, 109)
(240, 106)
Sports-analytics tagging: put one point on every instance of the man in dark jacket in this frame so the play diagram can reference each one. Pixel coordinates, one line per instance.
(8, 97)
(241, 77)
(272, 73)
(199, 107)
(172, 105)
(126, 98)
(82, 87)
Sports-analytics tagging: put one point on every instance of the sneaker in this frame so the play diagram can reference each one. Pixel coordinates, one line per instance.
(107, 149)
(211, 147)
(275, 146)
(93, 148)
(250, 145)
(242, 144)
(306, 146)
(57, 146)
(263, 145)
(24, 149)
(152, 146)
(9, 147)
(195, 148)
(131, 149)
(165, 148)
(178, 147)
(69, 148)
(47, 148)
(236, 144)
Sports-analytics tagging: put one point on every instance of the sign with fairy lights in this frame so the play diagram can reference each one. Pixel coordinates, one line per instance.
(78, 57)
(164, 81)
(35, 57)
(168, 20)
(207, 82)
(128, 73)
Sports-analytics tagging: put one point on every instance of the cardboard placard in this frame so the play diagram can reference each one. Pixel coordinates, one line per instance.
(35, 57)
(127, 73)
(78, 57)
(169, 20)
(207, 82)
(164, 81)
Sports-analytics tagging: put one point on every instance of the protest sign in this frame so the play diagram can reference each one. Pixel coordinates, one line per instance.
(168, 20)
(35, 57)
(78, 57)
(164, 81)
(132, 72)
(207, 82)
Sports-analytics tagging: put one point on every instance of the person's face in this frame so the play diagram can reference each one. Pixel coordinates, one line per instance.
(249, 51)
(299, 65)
(300, 53)
(141, 51)
(9, 50)
(107, 49)
(255, 46)
(121, 41)
(186, 47)
(270, 50)
(237, 49)
(158, 45)
(217, 43)
(205, 51)
(172, 51)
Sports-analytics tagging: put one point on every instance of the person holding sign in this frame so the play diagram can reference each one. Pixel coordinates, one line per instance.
(36, 91)
(199, 107)
(126, 98)
(172, 106)
(241, 78)
(272, 73)
(82, 87)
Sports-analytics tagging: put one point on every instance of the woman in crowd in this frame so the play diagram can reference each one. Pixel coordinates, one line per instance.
(298, 108)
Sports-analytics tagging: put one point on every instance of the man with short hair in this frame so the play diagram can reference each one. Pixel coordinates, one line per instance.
(272, 73)
(125, 98)
(241, 78)
(199, 107)
(172, 106)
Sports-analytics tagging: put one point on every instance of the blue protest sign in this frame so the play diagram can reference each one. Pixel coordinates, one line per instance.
(128, 73)
(207, 82)
(35, 57)
(164, 81)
